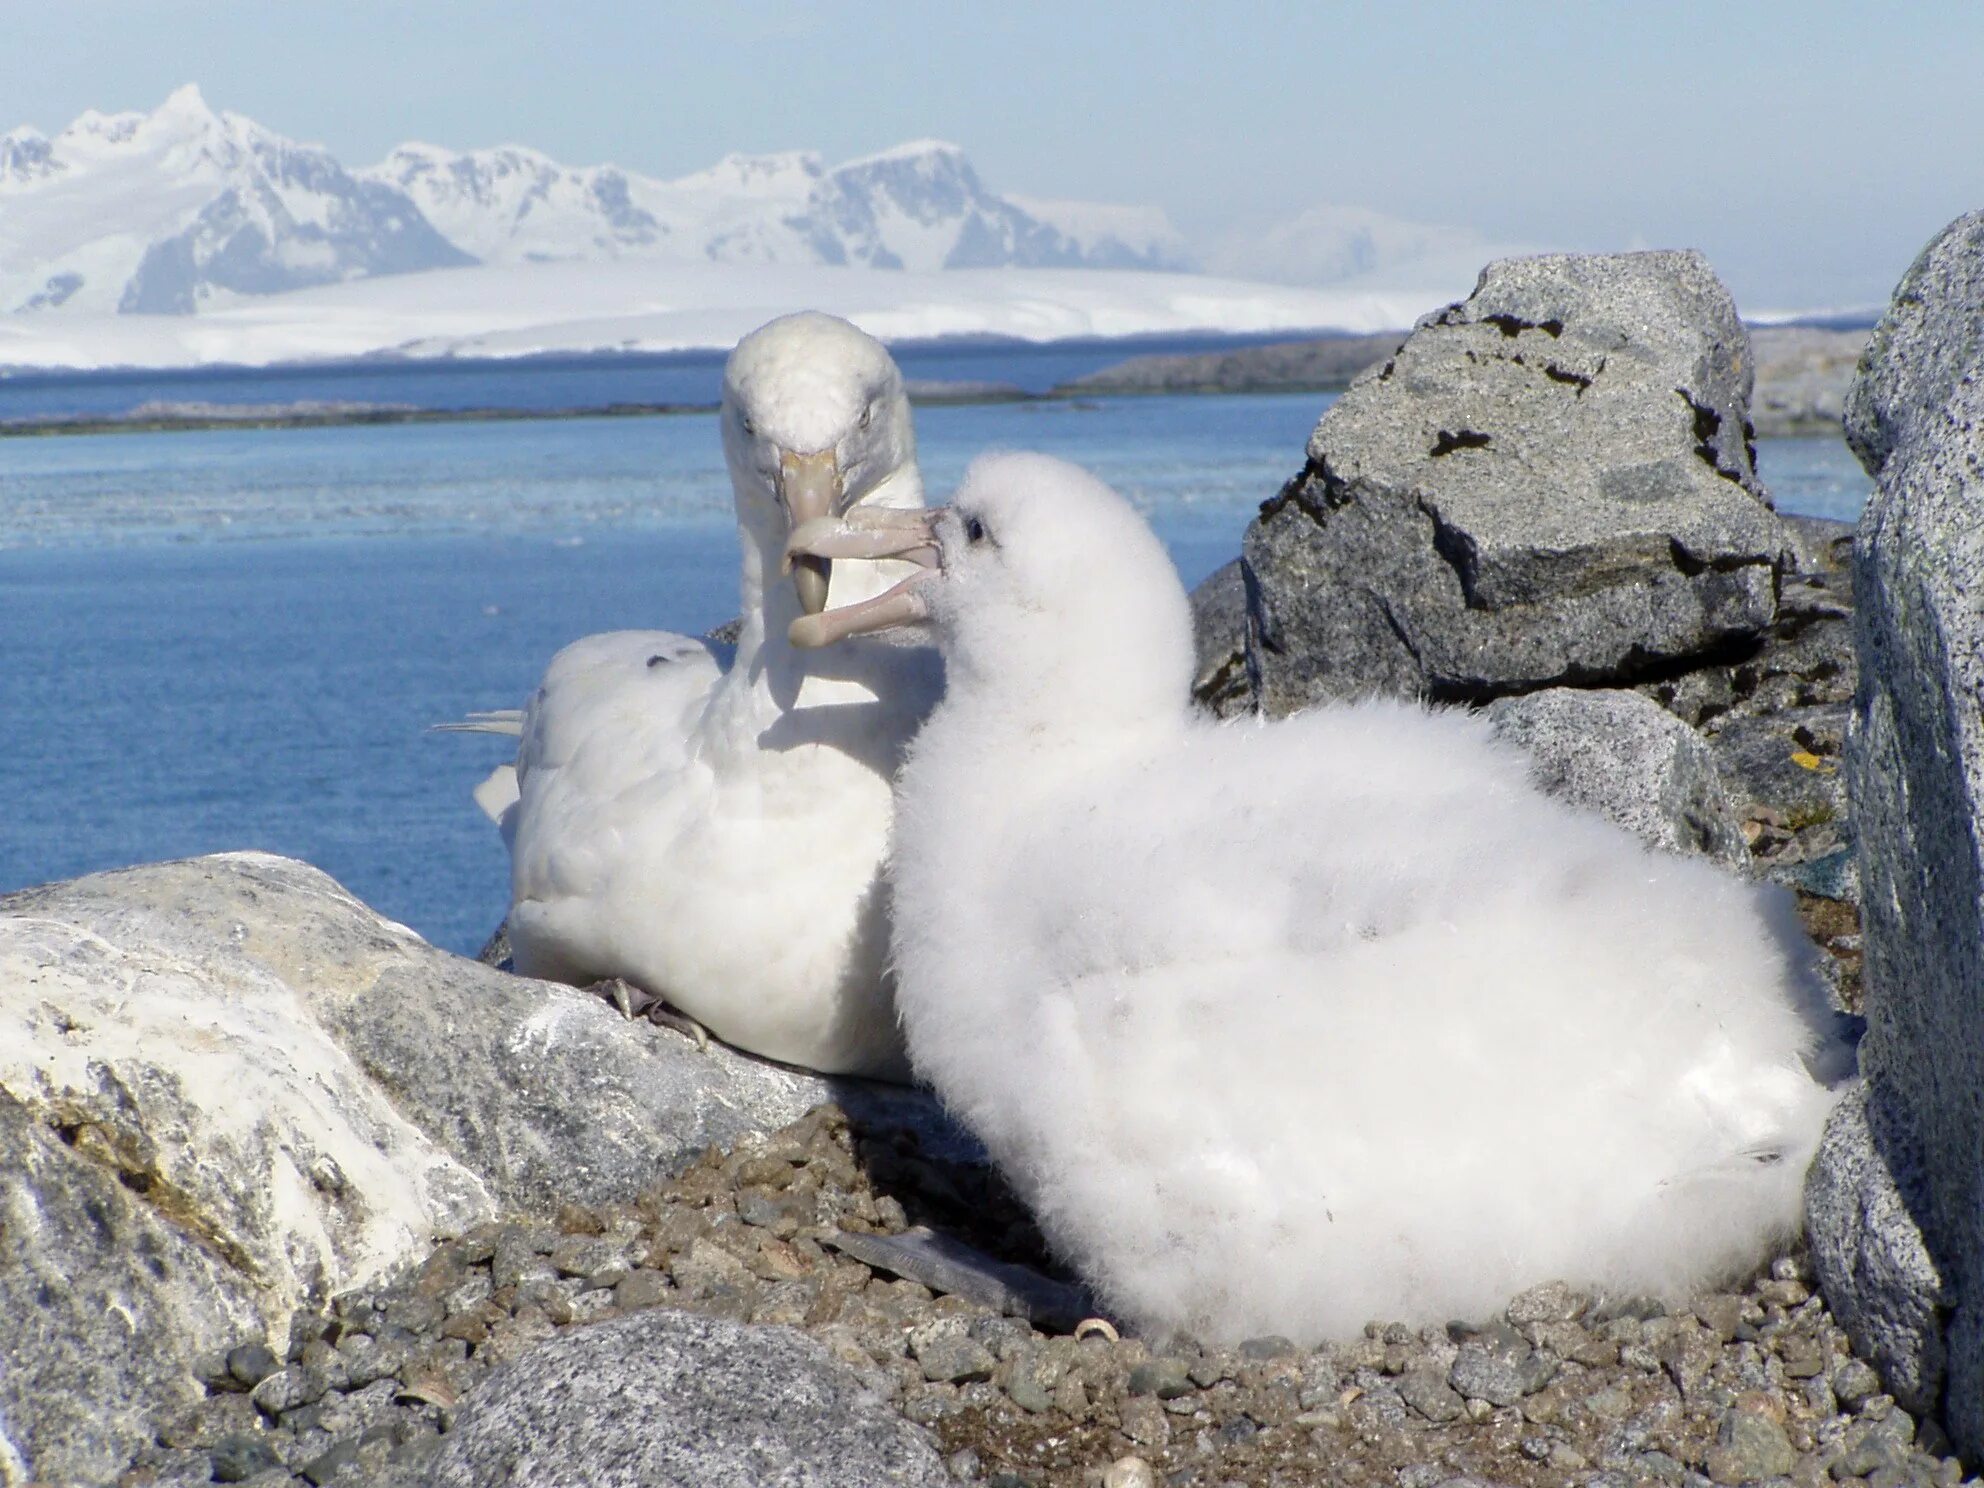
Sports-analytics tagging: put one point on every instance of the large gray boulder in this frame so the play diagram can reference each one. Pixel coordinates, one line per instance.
(1931, 337)
(229, 1090)
(542, 1092)
(1627, 758)
(669, 1399)
(1915, 775)
(1550, 484)
(108, 1300)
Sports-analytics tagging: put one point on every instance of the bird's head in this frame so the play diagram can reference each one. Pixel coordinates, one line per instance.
(815, 419)
(1037, 577)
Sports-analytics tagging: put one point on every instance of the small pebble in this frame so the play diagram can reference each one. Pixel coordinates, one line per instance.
(1129, 1472)
(237, 1459)
(252, 1363)
(1166, 1378)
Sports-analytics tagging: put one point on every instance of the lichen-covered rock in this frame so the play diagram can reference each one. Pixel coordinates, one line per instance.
(1551, 483)
(1931, 337)
(1915, 775)
(1629, 759)
(671, 1400)
(107, 1306)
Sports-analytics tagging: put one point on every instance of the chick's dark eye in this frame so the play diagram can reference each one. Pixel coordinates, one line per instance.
(866, 414)
(974, 530)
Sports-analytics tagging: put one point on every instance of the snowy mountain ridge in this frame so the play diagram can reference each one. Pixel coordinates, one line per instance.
(917, 206)
(186, 208)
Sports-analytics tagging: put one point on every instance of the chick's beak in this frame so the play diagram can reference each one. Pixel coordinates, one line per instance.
(809, 487)
(866, 532)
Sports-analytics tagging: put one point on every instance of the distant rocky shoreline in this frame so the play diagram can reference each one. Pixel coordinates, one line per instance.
(1802, 374)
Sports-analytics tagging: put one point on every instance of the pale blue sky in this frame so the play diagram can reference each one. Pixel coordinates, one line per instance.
(1809, 149)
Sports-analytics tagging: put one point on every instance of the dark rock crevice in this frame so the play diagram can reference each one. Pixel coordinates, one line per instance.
(1447, 441)
(1512, 326)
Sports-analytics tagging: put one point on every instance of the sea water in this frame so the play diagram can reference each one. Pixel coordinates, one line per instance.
(237, 638)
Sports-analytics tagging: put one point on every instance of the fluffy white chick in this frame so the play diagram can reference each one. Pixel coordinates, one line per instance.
(708, 823)
(1281, 1027)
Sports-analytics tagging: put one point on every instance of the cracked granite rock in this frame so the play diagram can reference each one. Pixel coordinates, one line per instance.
(1550, 484)
(1915, 774)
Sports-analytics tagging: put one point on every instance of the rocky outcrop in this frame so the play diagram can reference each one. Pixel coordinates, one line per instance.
(543, 1093)
(1915, 775)
(670, 1400)
(1550, 484)
(195, 1154)
(1627, 758)
(234, 1091)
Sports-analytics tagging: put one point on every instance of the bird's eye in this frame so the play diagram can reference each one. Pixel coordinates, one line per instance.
(866, 414)
(744, 423)
(974, 530)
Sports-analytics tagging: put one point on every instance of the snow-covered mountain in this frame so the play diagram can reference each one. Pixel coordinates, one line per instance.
(917, 206)
(183, 207)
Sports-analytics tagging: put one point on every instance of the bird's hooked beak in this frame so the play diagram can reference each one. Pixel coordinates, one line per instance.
(908, 534)
(810, 489)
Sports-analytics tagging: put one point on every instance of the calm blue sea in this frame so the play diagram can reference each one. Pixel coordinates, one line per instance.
(237, 638)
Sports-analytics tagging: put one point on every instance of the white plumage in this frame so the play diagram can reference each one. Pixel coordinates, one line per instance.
(707, 821)
(1282, 1027)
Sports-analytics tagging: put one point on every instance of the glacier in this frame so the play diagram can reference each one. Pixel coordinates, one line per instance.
(650, 305)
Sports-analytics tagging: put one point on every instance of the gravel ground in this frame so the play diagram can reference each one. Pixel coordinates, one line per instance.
(1755, 1385)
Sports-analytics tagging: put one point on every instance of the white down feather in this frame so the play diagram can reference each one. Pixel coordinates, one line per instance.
(1282, 1027)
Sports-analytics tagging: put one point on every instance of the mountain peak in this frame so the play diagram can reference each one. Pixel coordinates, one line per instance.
(185, 101)
(185, 114)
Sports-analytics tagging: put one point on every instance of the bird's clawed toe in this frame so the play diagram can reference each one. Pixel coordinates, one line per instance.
(637, 1003)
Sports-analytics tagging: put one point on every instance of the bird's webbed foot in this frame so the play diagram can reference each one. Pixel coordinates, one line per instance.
(637, 1003)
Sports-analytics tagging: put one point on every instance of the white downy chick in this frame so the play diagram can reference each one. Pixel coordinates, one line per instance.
(1281, 1027)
